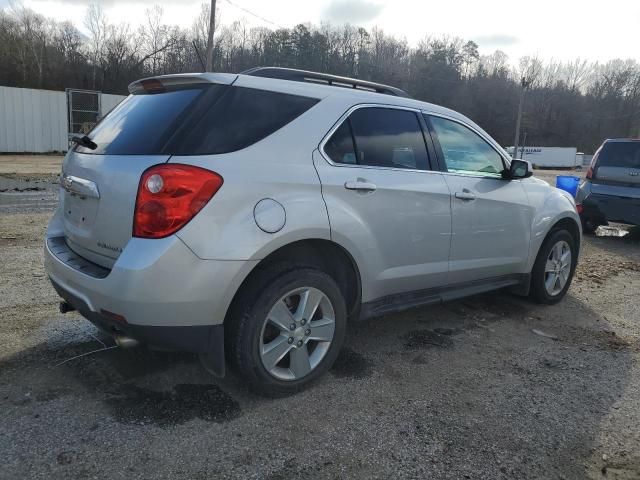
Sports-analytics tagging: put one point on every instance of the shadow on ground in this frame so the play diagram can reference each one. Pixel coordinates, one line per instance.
(487, 387)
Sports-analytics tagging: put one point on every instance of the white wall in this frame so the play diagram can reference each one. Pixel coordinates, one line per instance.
(32, 120)
(108, 102)
(35, 121)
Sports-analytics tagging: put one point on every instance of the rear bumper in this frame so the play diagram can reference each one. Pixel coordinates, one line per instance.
(194, 338)
(609, 203)
(153, 283)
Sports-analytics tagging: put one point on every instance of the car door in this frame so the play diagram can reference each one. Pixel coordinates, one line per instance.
(491, 216)
(385, 204)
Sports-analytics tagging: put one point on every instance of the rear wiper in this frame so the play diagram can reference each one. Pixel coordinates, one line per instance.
(84, 141)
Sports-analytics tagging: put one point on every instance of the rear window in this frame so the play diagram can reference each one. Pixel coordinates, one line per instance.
(620, 154)
(141, 124)
(196, 120)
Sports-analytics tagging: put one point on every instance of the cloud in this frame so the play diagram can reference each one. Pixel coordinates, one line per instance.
(352, 11)
(496, 40)
(111, 3)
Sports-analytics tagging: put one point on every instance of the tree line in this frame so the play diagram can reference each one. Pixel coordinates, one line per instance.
(576, 103)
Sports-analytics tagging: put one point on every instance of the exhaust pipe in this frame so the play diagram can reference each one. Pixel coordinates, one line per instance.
(125, 342)
(66, 307)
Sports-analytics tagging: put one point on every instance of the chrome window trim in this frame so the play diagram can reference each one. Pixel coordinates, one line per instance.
(341, 120)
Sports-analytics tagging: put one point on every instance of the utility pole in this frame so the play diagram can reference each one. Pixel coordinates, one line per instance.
(212, 28)
(524, 83)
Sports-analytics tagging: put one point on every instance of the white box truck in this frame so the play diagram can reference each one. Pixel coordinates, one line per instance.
(549, 157)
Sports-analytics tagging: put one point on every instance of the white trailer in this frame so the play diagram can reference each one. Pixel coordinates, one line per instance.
(547, 157)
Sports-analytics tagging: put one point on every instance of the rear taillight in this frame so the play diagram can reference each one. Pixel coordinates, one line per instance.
(169, 196)
(579, 208)
(592, 165)
(589, 174)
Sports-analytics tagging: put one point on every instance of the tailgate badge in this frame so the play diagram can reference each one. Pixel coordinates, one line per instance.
(109, 247)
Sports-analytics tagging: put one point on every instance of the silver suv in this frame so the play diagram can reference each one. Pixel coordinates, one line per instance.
(247, 217)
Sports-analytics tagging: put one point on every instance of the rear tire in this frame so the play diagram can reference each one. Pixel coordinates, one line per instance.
(590, 224)
(271, 342)
(554, 267)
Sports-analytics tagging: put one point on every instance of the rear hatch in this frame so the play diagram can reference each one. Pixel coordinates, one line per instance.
(99, 186)
(618, 163)
(181, 116)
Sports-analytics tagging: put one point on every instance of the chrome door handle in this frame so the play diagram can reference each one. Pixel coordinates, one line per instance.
(360, 186)
(465, 195)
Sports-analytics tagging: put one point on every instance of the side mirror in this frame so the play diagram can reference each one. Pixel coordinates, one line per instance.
(520, 169)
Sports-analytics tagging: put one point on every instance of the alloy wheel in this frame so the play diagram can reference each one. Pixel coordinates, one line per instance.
(297, 333)
(557, 268)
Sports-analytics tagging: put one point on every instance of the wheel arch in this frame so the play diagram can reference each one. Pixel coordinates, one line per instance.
(326, 255)
(564, 222)
(571, 223)
(572, 226)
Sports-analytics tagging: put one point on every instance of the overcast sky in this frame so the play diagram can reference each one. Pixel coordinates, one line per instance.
(559, 29)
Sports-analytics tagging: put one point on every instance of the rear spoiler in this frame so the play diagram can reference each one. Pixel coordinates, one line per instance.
(164, 82)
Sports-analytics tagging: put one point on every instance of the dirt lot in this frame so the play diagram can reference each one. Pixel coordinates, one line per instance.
(488, 387)
(30, 164)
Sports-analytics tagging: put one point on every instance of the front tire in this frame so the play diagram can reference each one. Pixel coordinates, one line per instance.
(287, 329)
(554, 267)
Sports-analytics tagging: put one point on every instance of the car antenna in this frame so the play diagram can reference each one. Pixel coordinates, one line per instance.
(195, 47)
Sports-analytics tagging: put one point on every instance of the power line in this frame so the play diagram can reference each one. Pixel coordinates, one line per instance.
(254, 14)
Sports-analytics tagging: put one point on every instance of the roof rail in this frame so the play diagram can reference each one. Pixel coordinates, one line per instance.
(323, 78)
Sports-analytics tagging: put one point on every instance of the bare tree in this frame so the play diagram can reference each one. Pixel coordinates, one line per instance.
(574, 103)
(155, 37)
(496, 64)
(36, 32)
(96, 22)
(577, 73)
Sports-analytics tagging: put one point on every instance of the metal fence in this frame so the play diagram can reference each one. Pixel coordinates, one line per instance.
(39, 121)
(83, 110)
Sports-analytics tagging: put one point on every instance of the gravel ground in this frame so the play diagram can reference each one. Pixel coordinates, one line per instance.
(31, 164)
(488, 387)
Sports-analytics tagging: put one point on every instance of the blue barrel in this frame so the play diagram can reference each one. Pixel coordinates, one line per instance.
(568, 183)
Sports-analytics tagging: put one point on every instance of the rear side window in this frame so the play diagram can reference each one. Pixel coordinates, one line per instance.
(199, 120)
(380, 137)
(239, 118)
(620, 154)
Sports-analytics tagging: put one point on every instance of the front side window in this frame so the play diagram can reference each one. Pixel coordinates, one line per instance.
(465, 151)
(380, 137)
